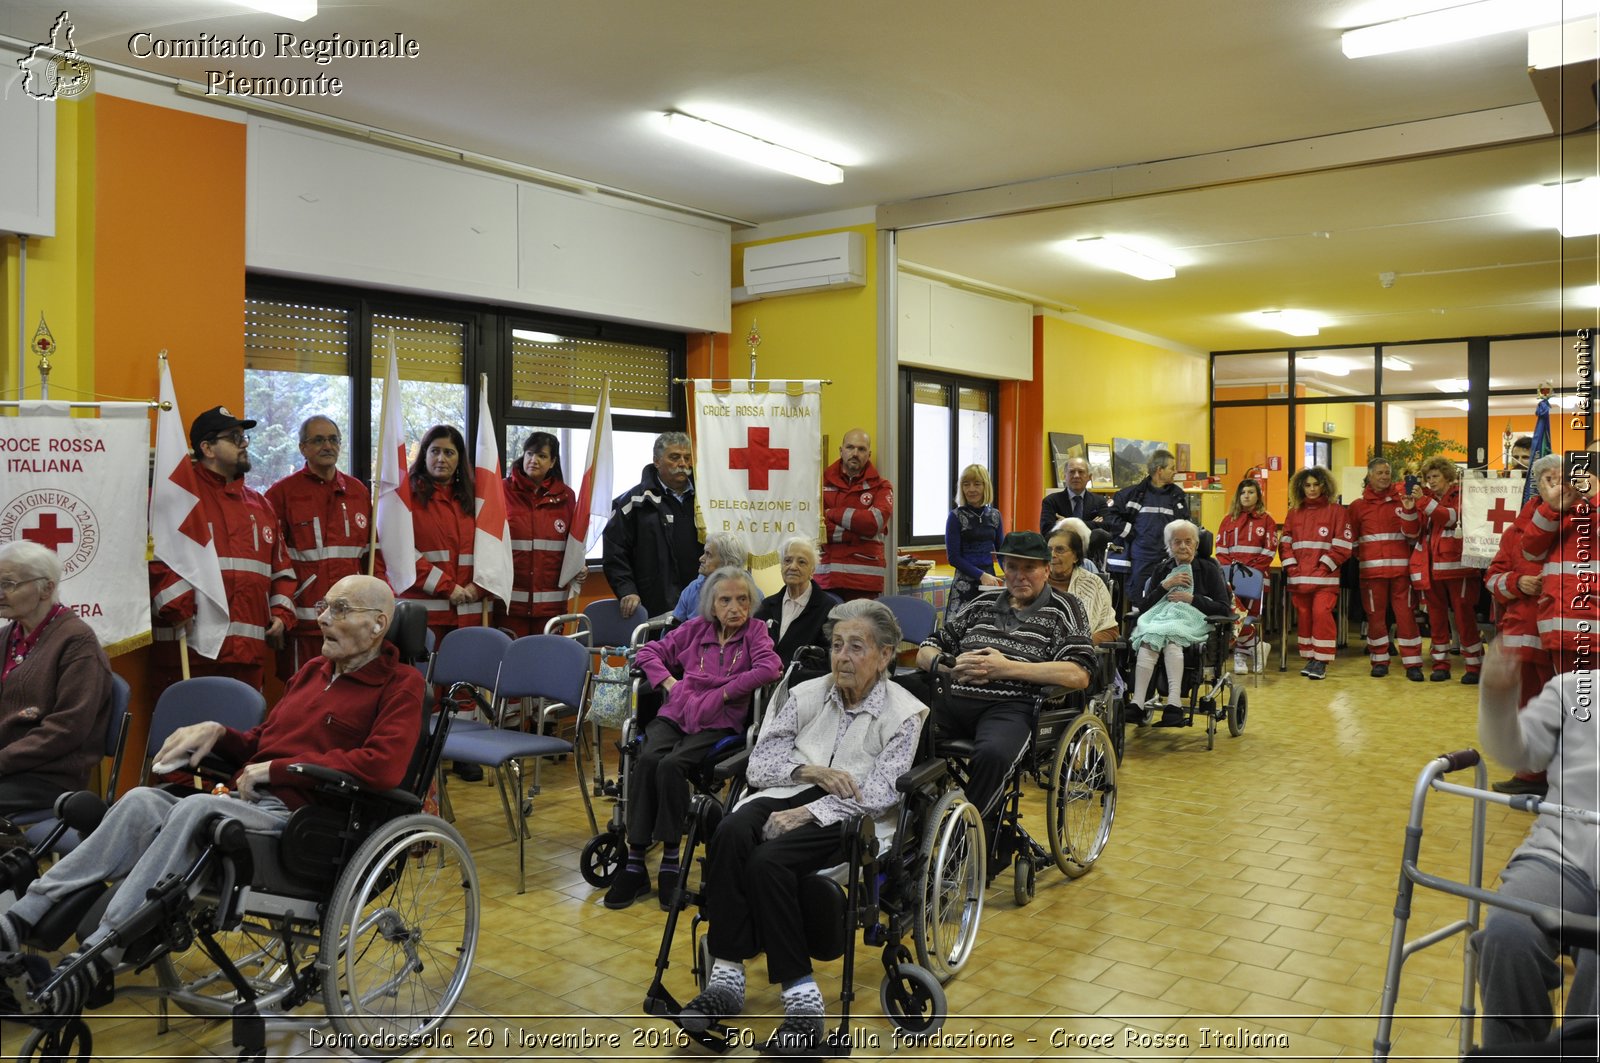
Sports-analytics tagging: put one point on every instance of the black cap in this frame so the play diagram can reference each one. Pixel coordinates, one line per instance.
(1029, 544)
(213, 423)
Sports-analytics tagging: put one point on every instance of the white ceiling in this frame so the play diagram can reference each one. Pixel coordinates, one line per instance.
(921, 98)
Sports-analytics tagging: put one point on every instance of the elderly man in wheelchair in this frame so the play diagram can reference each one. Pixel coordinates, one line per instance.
(350, 723)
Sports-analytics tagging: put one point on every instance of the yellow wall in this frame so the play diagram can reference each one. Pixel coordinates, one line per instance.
(818, 335)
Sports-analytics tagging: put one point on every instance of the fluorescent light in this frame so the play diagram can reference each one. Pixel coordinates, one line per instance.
(299, 10)
(1112, 255)
(752, 149)
(1589, 297)
(1455, 385)
(1570, 207)
(1460, 404)
(1396, 365)
(1326, 365)
(537, 337)
(1294, 322)
(1463, 23)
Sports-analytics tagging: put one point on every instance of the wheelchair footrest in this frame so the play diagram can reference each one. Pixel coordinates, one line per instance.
(662, 1004)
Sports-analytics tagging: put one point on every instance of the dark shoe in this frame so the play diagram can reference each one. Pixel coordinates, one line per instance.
(1306, 671)
(629, 885)
(1379, 671)
(1144, 714)
(1415, 675)
(1173, 718)
(715, 1004)
(1317, 670)
(666, 886)
(20, 974)
(1518, 785)
(796, 1035)
(1470, 679)
(467, 772)
(1440, 675)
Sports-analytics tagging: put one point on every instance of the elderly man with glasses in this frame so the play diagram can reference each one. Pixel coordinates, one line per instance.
(325, 522)
(256, 574)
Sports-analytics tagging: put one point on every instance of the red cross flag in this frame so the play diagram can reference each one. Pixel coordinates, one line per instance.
(758, 461)
(391, 491)
(178, 528)
(1489, 504)
(491, 539)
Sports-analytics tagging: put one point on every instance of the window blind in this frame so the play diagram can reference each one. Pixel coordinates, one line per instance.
(296, 337)
(569, 371)
(434, 351)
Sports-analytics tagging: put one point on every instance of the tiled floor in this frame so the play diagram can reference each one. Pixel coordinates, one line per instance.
(1248, 888)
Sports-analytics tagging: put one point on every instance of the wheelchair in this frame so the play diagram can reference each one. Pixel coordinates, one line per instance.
(1209, 690)
(926, 882)
(364, 902)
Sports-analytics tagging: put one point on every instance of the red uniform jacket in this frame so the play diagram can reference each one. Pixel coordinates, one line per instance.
(1441, 531)
(1315, 542)
(1385, 533)
(540, 516)
(256, 575)
(858, 513)
(1562, 544)
(1247, 539)
(443, 535)
(326, 527)
(1519, 616)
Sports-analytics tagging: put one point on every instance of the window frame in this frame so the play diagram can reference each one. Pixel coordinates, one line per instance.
(905, 484)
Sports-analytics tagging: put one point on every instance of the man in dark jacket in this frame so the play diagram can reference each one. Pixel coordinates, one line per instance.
(1137, 518)
(1076, 501)
(652, 551)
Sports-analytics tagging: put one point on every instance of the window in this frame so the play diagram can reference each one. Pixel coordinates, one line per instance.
(432, 358)
(949, 423)
(296, 364)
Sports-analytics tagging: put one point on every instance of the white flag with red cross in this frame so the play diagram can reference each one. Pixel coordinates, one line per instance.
(391, 501)
(593, 505)
(1489, 505)
(491, 538)
(758, 461)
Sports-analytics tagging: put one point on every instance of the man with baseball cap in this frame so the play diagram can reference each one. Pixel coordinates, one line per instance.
(256, 574)
(1007, 643)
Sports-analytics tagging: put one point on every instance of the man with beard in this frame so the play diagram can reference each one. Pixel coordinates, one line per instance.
(651, 548)
(857, 505)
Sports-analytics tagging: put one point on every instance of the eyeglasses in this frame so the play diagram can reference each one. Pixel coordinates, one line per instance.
(237, 438)
(339, 608)
(318, 441)
(9, 586)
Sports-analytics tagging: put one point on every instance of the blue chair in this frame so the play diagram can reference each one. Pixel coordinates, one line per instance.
(547, 667)
(38, 824)
(917, 618)
(203, 699)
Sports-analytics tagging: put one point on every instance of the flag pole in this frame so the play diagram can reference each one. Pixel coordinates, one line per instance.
(383, 420)
(183, 652)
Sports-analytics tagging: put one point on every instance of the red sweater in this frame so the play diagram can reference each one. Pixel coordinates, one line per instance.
(1519, 619)
(366, 723)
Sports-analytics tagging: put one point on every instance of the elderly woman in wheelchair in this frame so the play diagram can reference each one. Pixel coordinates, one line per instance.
(349, 723)
(1175, 609)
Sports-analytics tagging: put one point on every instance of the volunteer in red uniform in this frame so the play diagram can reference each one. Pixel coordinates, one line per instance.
(325, 519)
(256, 574)
(1560, 539)
(539, 506)
(1452, 584)
(1385, 524)
(441, 521)
(858, 505)
(1247, 536)
(1314, 544)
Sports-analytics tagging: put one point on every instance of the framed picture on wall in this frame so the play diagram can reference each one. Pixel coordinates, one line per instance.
(1063, 445)
(1099, 455)
(1130, 459)
(1182, 454)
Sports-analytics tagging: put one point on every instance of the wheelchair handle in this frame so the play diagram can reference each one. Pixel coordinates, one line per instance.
(1462, 758)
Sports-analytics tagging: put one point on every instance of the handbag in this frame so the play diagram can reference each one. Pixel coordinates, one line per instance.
(1248, 583)
(610, 700)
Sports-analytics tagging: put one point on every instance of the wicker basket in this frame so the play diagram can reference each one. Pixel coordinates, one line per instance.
(909, 572)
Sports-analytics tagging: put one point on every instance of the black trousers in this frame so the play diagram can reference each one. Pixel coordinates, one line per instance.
(753, 886)
(27, 793)
(1000, 730)
(658, 789)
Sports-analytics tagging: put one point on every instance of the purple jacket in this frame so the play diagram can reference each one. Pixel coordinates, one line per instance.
(715, 682)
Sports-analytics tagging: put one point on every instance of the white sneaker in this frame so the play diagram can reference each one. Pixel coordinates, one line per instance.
(1241, 663)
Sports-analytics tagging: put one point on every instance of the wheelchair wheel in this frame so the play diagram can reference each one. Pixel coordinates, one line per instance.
(703, 961)
(69, 1043)
(951, 881)
(1023, 881)
(601, 859)
(913, 1000)
(1237, 708)
(1083, 798)
(400, 933)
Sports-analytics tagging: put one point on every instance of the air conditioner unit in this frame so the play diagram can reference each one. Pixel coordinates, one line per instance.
(808, 264)
(1564, 64)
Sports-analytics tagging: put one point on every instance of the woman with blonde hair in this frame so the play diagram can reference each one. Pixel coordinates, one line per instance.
(971, 535)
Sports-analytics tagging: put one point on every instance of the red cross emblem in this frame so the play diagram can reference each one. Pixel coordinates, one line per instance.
(1500, 516)
(48, 533)
(758, 457)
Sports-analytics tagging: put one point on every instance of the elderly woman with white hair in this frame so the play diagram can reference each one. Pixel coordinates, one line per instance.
(1182, 591)
(55, 684)
(721, 550)
(797, 617)
(707, 669)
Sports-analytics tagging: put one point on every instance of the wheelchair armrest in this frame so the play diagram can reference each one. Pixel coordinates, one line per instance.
(1220, 621)
(330, 780)
(921, 775)
(732, 766)
(1572, 929)
(655, 624)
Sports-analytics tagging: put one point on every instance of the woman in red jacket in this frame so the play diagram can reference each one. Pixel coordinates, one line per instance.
(539, 507)
(1315, 543)
(441, 521)
(1452, 586)
(1246, 537)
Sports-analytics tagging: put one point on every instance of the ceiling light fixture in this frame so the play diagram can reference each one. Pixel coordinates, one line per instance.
(299, 10)
(739, 145)
(1460, 404)
(1323, 364)
(1572, 208)
(1397, 365)
(537, 337)
(1112, 255)
(1454, 386)
(1588, 297)
(1293, 322)
(1463, 23)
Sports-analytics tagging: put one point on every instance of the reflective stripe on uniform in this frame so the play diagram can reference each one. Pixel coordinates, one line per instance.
(244, 564)
(172, 593)
(327, 553)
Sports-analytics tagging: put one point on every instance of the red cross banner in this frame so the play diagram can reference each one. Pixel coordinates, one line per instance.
(1489, 505)
(758, 461)
(77, 486)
